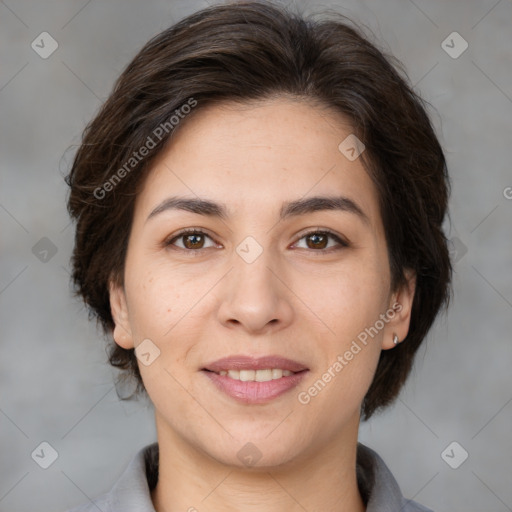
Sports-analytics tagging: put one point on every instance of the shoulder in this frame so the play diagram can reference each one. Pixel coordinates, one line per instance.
(132, 491)
(101, 503)
(378, 485)
(412, 506)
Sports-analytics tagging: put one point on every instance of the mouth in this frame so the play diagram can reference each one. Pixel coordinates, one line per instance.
(255, 380)
(251, 369)
(255, 375)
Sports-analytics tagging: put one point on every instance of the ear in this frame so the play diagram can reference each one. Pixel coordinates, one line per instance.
(399, 312)
(122, 332)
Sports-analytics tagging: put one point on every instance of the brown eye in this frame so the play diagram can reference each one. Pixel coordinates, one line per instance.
(318, 241)
(191, 240)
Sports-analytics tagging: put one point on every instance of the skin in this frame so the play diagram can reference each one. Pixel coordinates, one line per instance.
(300, 299)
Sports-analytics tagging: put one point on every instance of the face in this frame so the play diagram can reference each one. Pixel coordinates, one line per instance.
(266, 276)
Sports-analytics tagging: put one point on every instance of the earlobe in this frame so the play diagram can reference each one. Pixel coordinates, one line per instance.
(121, 333)
(400, 312)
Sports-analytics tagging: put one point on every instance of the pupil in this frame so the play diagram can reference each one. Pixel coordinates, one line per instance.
(316, 238)
(194, 237)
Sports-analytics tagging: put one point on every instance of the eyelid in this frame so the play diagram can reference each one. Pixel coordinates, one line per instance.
(340, 240)
(185, 231)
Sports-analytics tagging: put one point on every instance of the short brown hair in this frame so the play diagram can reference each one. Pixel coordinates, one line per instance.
(249, 51)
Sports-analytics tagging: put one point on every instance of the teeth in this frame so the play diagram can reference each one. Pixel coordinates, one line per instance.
(263, 375)
(256, 375)
(277, 373)
(246, 375)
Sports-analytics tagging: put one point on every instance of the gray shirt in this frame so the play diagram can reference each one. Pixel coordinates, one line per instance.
(131, 493)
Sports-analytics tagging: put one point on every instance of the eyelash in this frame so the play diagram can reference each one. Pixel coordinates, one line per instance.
(193, 231)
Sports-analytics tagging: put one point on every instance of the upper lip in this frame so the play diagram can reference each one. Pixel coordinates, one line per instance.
(241, 362)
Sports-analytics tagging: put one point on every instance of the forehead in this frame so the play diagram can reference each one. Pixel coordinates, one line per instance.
(258, 155)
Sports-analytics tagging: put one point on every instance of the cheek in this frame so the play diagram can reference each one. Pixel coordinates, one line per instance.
(350, 302)
(164, 306)
(158, 293)
(347, 300)
(160, 308)
(151, 305)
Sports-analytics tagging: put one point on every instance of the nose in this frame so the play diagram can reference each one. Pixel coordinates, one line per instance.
(255, 296)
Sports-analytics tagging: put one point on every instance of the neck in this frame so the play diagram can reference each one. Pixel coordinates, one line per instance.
(190, 480)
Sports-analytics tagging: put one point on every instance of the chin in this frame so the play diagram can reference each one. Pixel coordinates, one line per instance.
(257, 454)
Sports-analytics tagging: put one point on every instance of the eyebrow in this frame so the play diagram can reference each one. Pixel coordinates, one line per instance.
(289, 209)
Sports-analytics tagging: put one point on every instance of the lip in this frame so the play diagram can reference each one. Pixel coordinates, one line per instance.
(249, 392)
(254, 392)
(241, 362)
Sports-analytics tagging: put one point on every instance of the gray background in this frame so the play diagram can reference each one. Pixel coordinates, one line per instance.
(56, 385)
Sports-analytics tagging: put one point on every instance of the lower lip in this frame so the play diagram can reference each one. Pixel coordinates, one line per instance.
(252, 392)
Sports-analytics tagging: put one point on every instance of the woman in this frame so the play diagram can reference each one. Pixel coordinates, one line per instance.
(259, 208)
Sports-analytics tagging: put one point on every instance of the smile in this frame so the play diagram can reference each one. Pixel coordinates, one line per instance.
(256, 375)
